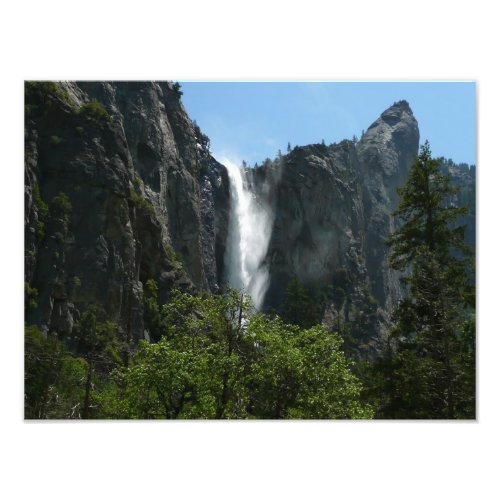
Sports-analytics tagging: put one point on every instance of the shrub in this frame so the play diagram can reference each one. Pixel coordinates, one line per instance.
(95, 110)
(42, 211)
(30, 295)
(30, 108)
(39, 89)
(36, 92)
(53, 378)
(200, 136)
(61, 206)
(42, 208)
(75, 281)
(40, 229)
(59, 237)
(143, 205)
(55, 140)
(172, 254)
(177, 89)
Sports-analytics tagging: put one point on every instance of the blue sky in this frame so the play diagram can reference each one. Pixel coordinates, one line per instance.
(252, 120)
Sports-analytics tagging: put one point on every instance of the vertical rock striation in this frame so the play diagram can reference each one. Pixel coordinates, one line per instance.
(141, 200)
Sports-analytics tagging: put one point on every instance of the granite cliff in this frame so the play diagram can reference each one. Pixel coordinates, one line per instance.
(120, 188)
(333, 208)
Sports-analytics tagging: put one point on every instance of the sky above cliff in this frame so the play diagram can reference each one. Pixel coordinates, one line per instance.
(253, 120)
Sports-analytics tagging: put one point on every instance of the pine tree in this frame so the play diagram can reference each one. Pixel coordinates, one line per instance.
(300, 307)
(100, 343)
(434, 325)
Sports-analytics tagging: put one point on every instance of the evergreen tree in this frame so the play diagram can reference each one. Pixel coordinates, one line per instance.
(101, 343)
(434, 325)
(177, 89)
(300, 307)
(53, 378)
(152, 317)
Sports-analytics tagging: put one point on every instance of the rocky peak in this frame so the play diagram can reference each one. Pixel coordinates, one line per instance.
(385, 153)
(333, 207)
(391, 142)
(397, 110)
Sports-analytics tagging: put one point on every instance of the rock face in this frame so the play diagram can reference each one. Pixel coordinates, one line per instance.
(140, 199)
(120, 188)
(464, 178)
(385, 153)
(333, 208)
(215, 207)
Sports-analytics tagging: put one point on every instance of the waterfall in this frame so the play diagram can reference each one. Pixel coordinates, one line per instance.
(249, 232)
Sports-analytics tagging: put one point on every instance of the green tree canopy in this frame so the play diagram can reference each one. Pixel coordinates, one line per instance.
(216, 360)
(54, 379)
(300, 306)
(433, 323)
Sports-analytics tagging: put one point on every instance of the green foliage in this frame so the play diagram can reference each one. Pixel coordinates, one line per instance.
(95, 110)
(300, 307)
(215, 360)
(190, 372)
(37, 92)
(152, 313)
(40, 229)
(39, 87)
(53, 378)
(433, 370)
(42, 211)
(172, 254)
(142, 205)
(30, 295)
(98, 338)
(30, 109)
(203, 168)
(268, 163)
(301, 373)
(138, 180)
(177, 89)
(60, 207)
(59, 237)
(202, 138)
(102, 345)
(425, 215)
(55, 140)
(75, 281)
(340, 287)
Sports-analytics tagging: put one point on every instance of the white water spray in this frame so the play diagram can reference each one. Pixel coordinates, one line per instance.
(249, 232)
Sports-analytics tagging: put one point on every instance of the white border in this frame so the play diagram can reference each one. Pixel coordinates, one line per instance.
(250, 40)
